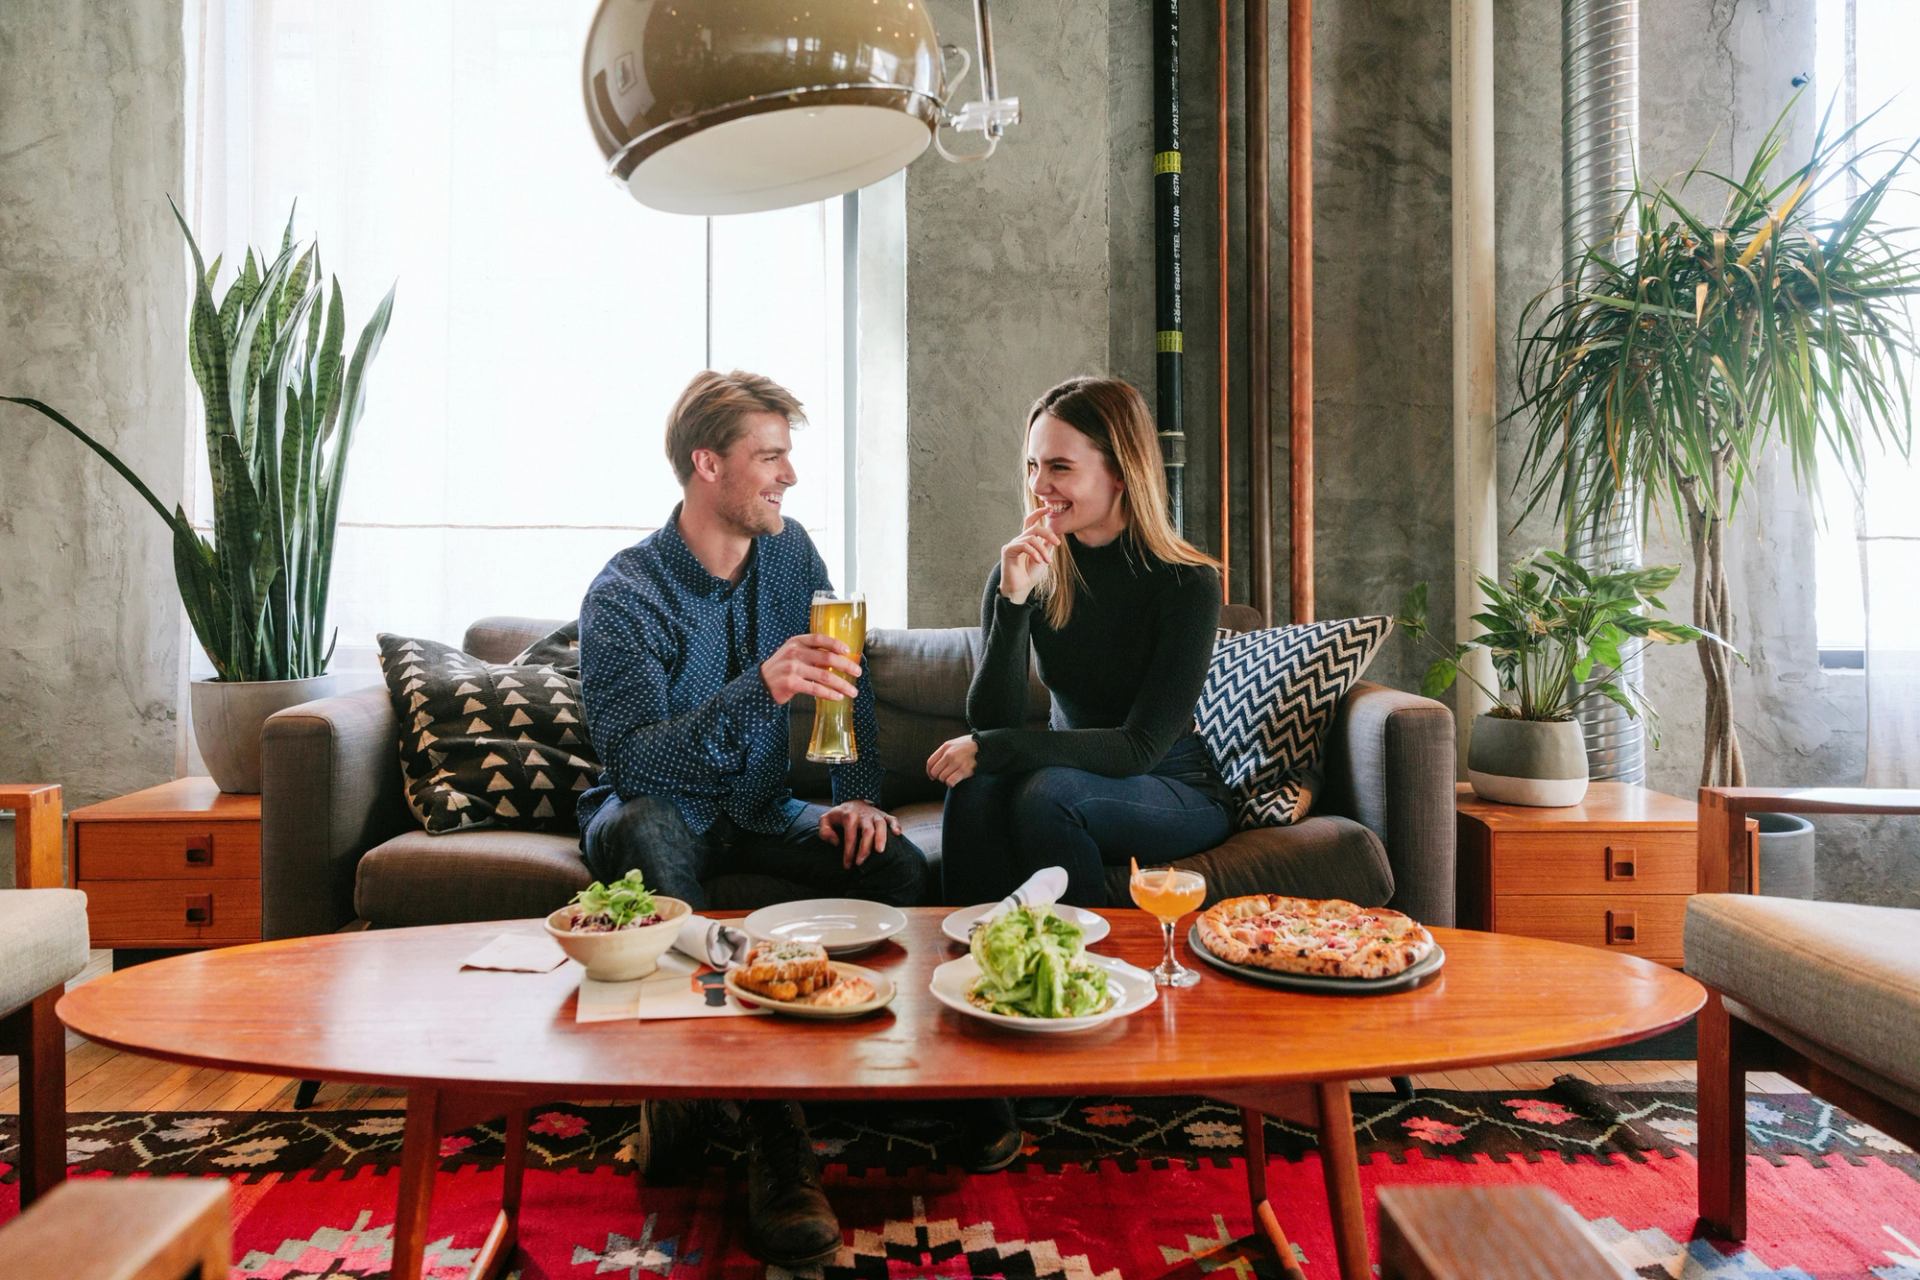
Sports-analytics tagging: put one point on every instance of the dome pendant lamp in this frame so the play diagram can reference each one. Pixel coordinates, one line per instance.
(735, 106)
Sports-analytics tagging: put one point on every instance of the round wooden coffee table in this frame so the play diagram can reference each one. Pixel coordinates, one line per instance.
(394, 1008)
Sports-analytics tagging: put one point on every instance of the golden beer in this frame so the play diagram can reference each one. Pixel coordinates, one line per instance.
(844, 618)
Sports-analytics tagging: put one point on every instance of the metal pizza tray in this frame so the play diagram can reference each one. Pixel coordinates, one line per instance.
(1317, 983)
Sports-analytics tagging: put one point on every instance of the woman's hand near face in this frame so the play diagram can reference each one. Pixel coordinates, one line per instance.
(1023, 562)
(952, 761)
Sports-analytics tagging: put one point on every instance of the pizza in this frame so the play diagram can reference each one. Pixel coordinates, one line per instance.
(1322, 936)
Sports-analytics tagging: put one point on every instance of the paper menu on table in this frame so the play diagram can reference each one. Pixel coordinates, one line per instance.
(680, 988)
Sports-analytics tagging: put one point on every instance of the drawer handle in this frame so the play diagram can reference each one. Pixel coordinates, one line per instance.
(1622, 927)
(1621, 863)
(200, 851)
(200, 908)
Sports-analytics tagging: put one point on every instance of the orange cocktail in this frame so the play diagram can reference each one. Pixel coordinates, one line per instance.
(1167, 893)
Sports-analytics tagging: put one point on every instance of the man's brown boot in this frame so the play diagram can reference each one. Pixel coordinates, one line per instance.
(670, 1142)
(789, 1222)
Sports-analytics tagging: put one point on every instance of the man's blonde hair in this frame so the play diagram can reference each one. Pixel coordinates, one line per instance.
(712, 413)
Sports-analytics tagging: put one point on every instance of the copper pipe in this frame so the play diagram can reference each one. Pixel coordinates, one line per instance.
(1259, 316)
(1226, 435)
(1300, 298)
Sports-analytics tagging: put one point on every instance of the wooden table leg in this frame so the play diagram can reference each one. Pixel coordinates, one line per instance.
(431, 1115)
(1340, 1163)
(419, 1164)
(505, 1235)
(1253, 1127)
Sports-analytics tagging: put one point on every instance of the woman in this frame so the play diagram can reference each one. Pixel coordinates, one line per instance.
(1120, 612)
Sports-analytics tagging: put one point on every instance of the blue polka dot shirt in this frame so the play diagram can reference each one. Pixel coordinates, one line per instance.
(670, 677)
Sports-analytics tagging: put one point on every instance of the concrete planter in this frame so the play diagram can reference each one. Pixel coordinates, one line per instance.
(228, 715)
(1533, 762)
(1786, 856)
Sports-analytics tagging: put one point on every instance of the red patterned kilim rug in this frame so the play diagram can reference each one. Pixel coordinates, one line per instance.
(1106, 1188)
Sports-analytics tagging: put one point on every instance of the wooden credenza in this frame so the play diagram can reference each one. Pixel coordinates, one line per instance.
(1614, 871)
(172, 867)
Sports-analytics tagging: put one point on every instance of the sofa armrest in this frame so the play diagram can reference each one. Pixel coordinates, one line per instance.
(330, 790)
(1390, 766)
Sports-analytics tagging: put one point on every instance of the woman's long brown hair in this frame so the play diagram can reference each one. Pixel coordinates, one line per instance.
(1114, 416)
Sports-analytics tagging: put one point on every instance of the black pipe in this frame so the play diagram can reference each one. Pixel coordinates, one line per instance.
(1168, 337)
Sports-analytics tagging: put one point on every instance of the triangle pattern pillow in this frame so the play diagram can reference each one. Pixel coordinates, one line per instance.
(1268, 701)
(491, 744)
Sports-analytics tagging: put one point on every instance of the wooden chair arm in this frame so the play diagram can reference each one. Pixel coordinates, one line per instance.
(123, 1229)
(37, 860)
(1723, 822)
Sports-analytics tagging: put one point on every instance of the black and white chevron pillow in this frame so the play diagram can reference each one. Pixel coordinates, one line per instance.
(1264, 711)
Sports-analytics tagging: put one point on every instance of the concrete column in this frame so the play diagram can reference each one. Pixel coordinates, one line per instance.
(1476, 517)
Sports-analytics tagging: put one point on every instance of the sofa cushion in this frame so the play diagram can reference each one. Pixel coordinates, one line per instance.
(486, 744)
(416, 878)
(1844, 976)
(43, 942)
(1324, 856)
(1267, 703)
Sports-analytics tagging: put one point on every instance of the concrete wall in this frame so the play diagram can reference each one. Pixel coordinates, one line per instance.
(1383, 460)
(92, 279)
(1006, 293)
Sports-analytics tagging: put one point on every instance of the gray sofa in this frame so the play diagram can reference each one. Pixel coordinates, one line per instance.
(338, 843)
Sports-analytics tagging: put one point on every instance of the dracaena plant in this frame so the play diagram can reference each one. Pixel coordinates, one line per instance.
(1769, 321)
(282, 400)
(1558, 634)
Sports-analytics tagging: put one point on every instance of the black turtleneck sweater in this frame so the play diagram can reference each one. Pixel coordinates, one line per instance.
(1125, 672)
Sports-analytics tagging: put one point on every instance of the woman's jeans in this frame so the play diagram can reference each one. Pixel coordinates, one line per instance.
(1001, 828)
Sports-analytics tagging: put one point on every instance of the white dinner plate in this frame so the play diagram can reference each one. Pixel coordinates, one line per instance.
(1092, 927)
(1132, 989)
(882, 996)
(844, 926)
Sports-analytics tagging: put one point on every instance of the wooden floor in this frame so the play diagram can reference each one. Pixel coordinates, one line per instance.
(100, 1079)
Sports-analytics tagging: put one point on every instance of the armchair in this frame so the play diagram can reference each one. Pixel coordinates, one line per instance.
(1825, 993)
(43, 944)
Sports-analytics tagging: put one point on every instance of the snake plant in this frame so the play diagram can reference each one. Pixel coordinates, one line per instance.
(281, 408)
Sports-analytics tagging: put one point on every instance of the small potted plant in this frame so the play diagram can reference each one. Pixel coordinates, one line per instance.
(618, 931)
(1558, 633)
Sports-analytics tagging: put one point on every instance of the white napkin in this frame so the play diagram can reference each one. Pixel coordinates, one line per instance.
(1042, 889)
(518, 953)
(720, 945)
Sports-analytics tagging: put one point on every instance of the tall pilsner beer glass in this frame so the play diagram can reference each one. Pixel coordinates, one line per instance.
(843, 617)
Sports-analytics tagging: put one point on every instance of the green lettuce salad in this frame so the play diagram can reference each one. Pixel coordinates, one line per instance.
(1034, 965)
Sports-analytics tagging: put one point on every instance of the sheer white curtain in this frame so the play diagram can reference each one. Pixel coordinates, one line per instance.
(544, 321)
(1866, 67)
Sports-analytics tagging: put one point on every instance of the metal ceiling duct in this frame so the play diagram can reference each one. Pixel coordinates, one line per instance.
(1600, 131)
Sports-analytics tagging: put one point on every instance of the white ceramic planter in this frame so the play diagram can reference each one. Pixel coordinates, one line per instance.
(1542, 763)
(228, 716)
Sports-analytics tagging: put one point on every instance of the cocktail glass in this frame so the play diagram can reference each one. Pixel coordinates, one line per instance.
(1168, 893)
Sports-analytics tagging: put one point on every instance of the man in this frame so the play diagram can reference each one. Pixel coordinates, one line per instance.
(692, 644)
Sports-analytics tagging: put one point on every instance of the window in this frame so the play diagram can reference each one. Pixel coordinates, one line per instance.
(1865, 67)
(544, 323)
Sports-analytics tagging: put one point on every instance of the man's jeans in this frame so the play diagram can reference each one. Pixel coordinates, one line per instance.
(648, 832)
